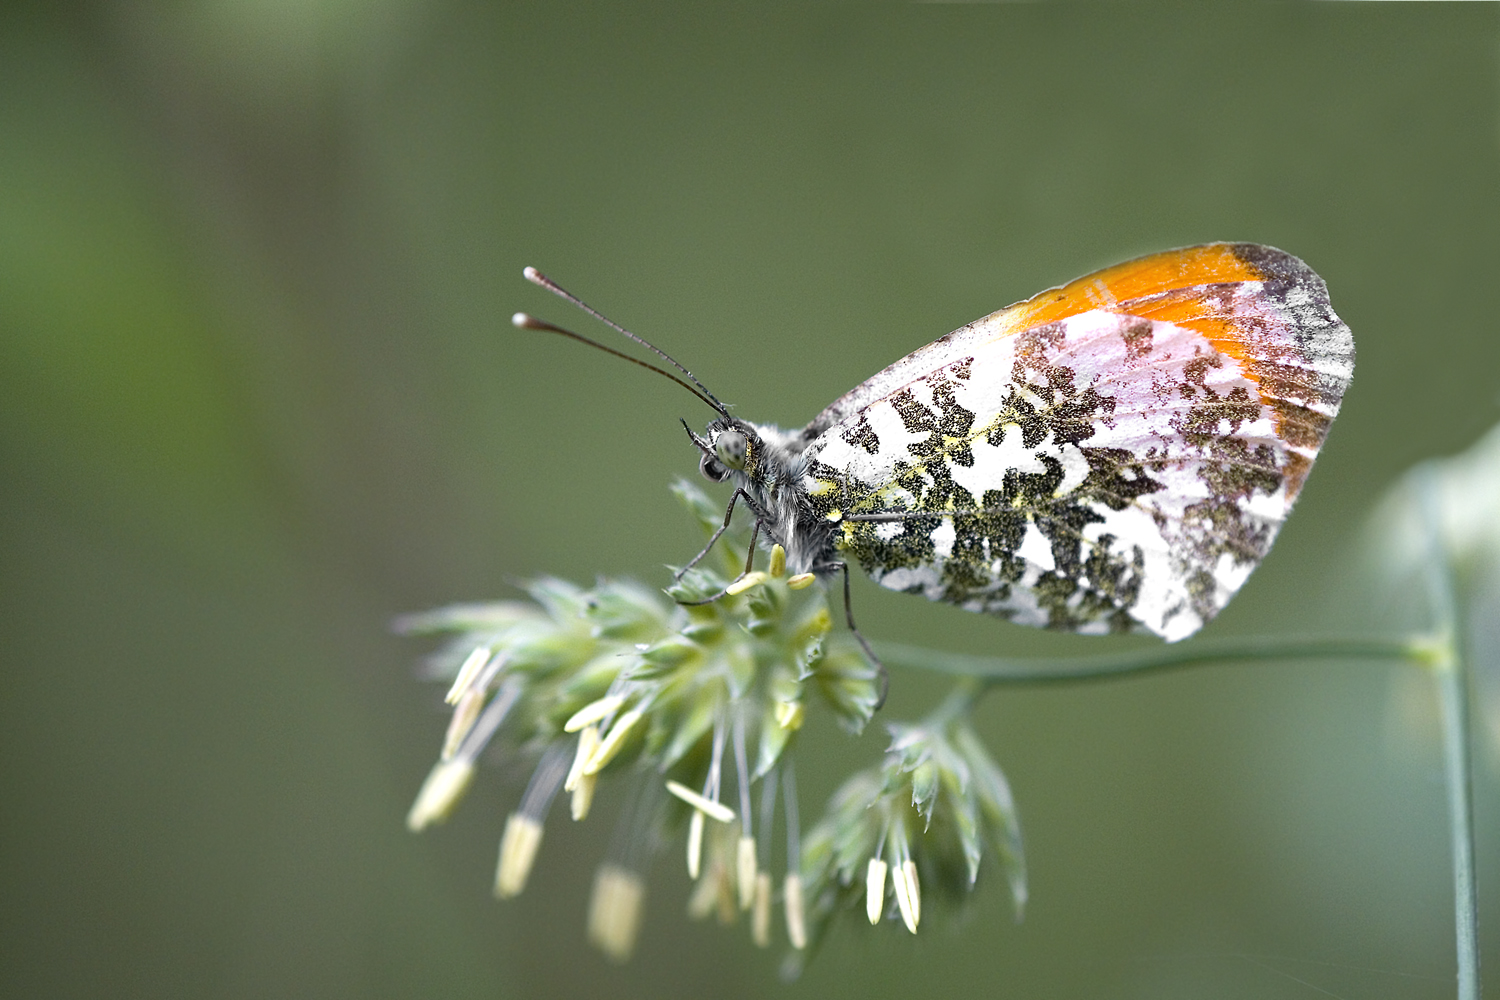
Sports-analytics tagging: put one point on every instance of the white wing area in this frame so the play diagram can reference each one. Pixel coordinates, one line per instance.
(1117, 473)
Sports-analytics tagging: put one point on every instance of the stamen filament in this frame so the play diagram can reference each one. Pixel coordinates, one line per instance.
(742, 769)
(488, 723)
(793, 822)
(766, 818)
(545, 782)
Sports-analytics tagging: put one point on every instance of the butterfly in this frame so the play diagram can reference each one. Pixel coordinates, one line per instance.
(1116, 454)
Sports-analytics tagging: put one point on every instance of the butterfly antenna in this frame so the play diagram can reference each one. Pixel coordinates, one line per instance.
(538, 278)
(525, 321)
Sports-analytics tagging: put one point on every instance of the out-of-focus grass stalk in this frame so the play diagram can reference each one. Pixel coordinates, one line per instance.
(1446, 662)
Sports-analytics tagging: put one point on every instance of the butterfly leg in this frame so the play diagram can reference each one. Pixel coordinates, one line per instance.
(728, 513)
(885, 677)
(749, 561)
(749, 554)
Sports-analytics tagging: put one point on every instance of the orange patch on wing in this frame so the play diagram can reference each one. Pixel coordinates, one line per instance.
(1171, 270)
(1160, 272)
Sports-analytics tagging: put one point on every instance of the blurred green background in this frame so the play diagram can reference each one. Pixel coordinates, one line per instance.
(259, 394)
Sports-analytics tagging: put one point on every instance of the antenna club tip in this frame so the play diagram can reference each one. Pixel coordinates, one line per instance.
(534, 276)
(520, 321)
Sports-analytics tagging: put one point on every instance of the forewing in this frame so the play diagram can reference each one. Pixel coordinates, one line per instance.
(1174, 285)
(1112, 471)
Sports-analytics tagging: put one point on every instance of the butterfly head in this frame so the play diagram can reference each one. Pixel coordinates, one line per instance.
(729, 447)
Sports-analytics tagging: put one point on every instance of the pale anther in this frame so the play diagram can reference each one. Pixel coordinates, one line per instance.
(476, 660)
(875, 890)
(594, 711)
(695, 845)
(760, 914)
(611, 744)
(583, 795)
(588, 742)
(704, 897)
(706, 806)
(615, 910)
(800, 581)
(445, 785)
(778, 561)
(796, 919)
(744, 583)
(900, 883)
(464, 717)
(914, 890)
(518, 847)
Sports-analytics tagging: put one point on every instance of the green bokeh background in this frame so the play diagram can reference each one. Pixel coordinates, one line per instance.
(258, 394)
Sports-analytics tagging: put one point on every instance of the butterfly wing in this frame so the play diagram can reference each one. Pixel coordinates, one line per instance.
(1121, 451)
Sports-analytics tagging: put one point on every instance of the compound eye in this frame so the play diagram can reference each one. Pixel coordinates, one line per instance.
(712, 470)
(730, 447)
